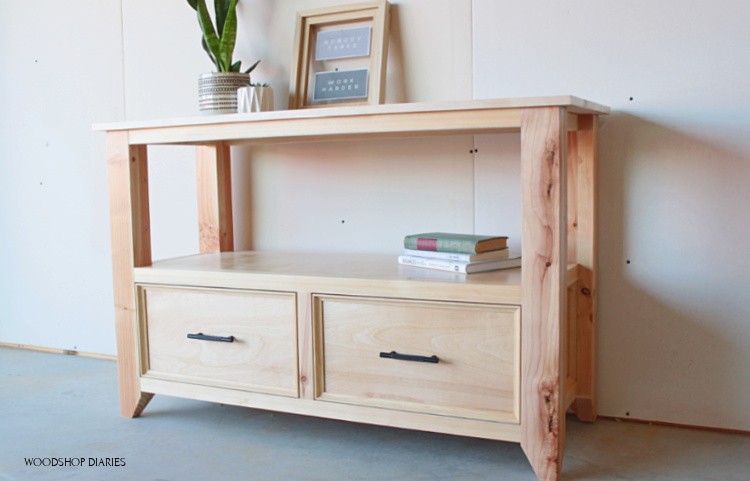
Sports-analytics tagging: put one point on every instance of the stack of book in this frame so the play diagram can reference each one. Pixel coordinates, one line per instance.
(462, 253)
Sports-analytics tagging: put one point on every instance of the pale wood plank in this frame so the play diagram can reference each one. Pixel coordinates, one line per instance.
(333, 128)
(352, 8)
(366, 266)
(572, 195)
(353, 274)
(305, 348)
(571, 103)
(296, 68)
(131, 247)
(571, 358)
(333, 410)
(379, 59)
(544, 250)
(586, 257)
(571, 351)
(215, 226)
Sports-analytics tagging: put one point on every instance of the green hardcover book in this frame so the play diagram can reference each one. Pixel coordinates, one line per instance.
(447, 242)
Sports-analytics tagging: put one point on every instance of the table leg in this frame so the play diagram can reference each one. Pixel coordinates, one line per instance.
(131, 247)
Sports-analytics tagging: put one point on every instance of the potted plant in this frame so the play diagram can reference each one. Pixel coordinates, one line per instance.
(217, 91)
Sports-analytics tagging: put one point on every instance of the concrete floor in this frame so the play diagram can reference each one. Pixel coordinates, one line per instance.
(55, 406)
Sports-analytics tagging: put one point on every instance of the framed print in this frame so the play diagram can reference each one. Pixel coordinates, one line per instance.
(340, 56)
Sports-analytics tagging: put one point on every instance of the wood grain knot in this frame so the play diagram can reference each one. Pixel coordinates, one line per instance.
(586, 291)
(549, 392)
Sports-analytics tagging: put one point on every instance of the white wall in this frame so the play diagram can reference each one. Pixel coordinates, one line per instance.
(674, 342)
(675, 165)
(59, 70)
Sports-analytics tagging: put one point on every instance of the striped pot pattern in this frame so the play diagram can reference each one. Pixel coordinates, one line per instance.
(217, 91)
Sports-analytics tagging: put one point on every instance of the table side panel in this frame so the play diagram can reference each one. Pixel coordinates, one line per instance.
(543, 203)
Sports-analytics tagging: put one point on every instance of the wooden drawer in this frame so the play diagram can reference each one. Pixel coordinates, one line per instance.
(476, 346)
(262, 353)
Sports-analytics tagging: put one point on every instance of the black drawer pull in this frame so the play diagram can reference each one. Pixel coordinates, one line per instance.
(409, 357)
(202, 337)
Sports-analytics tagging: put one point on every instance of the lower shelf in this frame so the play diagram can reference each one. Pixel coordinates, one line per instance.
(351, 274)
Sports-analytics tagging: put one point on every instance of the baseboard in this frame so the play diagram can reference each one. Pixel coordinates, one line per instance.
(675, 425)
(54, 350)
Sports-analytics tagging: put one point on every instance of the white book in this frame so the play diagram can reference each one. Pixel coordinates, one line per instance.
(459, 256)
(458, 266)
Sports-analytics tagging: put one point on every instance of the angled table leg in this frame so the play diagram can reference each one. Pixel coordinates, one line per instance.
(131, 247)
(544, 250)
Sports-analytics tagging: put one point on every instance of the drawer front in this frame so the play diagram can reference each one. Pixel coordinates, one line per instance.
(262, 354)
(452, 359)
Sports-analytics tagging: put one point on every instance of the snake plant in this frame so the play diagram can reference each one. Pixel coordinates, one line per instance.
(219, 42)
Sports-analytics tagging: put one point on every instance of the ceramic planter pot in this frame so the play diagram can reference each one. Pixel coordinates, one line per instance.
(255, 99)
(217, 91)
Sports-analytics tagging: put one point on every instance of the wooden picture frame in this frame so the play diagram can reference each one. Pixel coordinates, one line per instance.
(346, 70)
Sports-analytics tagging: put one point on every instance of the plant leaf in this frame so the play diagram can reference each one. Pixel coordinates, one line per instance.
(209, 35)
(210, 53)
(193, 3)
(252, 67)
(221, 7)
(228, 37)
(236, 66)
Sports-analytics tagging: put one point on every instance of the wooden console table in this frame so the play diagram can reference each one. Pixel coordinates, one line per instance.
(509, 352)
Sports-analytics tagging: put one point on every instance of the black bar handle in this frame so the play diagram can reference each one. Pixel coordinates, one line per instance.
(202, 337)
(409, 357)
